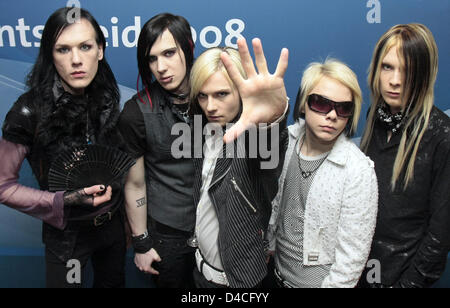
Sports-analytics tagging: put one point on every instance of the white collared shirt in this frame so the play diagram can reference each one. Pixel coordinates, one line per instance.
(207, 224)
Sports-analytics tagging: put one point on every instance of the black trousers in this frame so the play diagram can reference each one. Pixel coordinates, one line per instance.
(104, 245)
(177, 258)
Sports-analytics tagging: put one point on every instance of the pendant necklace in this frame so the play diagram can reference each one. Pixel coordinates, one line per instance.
(307, 174)
(88, 137)
(181, 98)
(184, 114)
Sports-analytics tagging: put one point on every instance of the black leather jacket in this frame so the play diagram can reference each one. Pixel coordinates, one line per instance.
(412, 236)
(241, 191)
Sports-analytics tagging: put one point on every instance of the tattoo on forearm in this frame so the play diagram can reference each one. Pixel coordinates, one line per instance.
(141, 202)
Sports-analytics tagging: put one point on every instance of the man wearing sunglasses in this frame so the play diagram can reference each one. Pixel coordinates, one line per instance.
(324, 214)
(323, 105)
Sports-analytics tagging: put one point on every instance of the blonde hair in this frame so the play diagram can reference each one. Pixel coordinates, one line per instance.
(418, 51)
(207, 64)
(338, 71)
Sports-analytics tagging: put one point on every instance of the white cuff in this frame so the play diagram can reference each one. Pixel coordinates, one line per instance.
(279, 119)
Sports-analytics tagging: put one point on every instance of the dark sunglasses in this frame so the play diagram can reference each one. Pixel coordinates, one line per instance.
(324, 105)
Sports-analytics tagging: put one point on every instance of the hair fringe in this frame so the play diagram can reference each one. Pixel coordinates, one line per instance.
(421, 98)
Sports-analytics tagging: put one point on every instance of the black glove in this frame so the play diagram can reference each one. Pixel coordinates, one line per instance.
(79, 198)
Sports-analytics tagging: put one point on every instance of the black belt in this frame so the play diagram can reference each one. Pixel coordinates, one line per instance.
(167, 230)
(281, 281)
(95, 221)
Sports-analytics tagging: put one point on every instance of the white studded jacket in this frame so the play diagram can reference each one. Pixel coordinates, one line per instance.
(340, 211)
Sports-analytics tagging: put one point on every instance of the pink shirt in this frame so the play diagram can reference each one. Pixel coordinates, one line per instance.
(43, 205)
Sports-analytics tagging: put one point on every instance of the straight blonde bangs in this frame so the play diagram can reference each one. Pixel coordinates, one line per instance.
(338, 71)
(207, 64)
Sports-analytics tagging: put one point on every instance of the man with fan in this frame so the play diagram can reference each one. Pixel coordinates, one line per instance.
(159, 187)
(71, 109)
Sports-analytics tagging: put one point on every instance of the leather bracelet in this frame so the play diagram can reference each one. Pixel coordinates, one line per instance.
(142, 243)
(140, 237)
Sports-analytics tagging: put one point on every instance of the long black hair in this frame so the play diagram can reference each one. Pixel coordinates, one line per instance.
(60, 121)
(179, 27)
(41, 77)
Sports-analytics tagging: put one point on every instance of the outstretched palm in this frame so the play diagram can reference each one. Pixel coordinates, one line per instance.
(263, 94)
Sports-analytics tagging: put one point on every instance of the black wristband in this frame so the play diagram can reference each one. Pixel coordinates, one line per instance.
(140, 237)
(142, 244)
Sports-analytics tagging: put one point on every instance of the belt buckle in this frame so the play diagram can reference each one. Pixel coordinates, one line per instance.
(209, 272)
(102, 218)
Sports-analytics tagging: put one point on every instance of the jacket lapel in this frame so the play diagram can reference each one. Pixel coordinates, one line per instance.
(222, 165)
(198, 165)
(221, 168)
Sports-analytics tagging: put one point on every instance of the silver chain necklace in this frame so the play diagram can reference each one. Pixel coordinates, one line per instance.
(307, 174)
(184, 114)
(88, 136)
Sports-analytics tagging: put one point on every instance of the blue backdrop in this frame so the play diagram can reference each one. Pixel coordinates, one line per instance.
(311, 29)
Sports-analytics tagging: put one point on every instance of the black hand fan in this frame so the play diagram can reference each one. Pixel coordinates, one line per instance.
(87, 166)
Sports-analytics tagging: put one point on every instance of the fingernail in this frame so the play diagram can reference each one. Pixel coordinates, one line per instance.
(102, 187)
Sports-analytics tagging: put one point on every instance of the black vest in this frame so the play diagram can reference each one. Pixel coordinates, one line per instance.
(169, 180)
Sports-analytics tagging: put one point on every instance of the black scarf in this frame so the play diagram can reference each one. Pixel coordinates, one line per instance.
(66, 123)
(392, 122)
(68, 119)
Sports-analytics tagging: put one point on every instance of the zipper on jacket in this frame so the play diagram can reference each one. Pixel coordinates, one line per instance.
(236, 187)
(219, 178)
